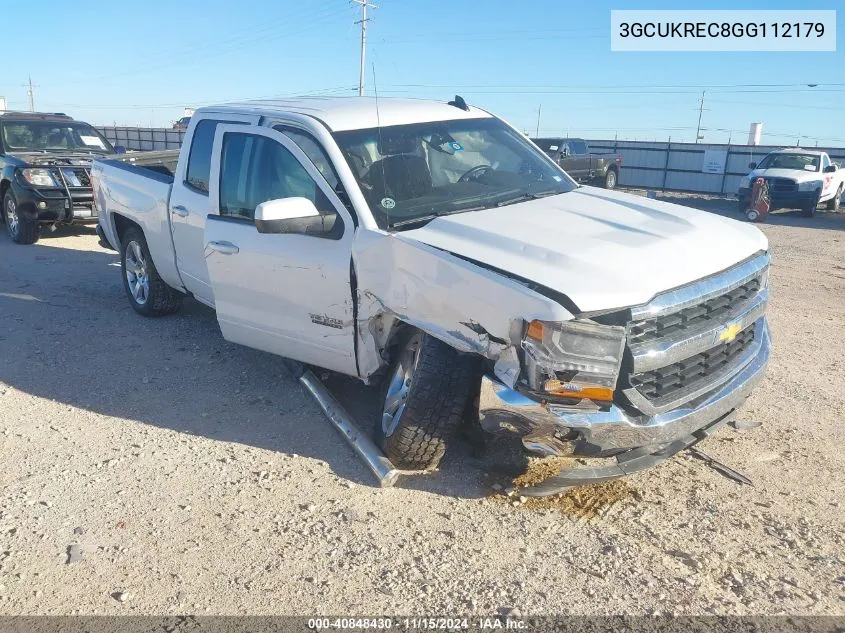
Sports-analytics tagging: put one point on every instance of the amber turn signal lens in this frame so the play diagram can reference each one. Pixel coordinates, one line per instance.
(536, 330)
(573, 390)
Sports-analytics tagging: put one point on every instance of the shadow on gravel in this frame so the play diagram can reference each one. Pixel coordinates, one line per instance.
(70, 336)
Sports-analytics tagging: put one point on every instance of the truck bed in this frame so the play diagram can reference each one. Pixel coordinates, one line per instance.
(136, 187)
(162, 162)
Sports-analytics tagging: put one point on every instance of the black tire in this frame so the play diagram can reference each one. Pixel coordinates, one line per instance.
(810, 211)
(156, 298)
(21, 229)
(611, 179)
(440, 387)
(833, 203)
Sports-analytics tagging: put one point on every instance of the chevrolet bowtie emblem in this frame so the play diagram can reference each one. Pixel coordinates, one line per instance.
(729, 333)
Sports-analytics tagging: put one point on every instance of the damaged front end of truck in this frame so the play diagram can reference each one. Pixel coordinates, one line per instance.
(627, 388)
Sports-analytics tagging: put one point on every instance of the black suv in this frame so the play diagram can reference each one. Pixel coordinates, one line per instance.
(45, 171)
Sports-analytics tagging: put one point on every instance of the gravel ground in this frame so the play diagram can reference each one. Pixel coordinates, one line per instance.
(150, 467)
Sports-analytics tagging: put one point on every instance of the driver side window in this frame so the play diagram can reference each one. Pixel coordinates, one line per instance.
(255, 169)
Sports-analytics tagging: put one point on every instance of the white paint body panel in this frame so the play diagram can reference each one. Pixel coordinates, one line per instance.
(603, 249)
(357, 113)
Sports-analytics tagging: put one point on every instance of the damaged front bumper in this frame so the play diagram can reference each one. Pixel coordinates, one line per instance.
(635, 441)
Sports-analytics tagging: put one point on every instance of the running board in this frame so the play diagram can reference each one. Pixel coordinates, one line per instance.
(376, 461)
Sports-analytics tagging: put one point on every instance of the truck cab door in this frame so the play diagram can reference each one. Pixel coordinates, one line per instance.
(189, 201)
(285, 293)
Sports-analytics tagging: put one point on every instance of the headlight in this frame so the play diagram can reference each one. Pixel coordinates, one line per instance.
(810, 185)
(574, 359)
(39, 177)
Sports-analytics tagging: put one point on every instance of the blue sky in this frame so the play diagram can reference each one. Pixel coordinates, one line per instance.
(139, 63)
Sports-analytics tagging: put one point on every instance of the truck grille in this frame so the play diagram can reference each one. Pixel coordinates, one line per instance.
(674, 379)
(782, 185)
(714, 310)
(75, 177)
(691, 340)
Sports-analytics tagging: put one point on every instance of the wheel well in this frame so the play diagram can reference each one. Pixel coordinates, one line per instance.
(122, 224)
(4, 185)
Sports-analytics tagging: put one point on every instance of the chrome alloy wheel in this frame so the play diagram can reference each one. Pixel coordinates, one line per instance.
(12, 216)
(136, 273)
(400, 385)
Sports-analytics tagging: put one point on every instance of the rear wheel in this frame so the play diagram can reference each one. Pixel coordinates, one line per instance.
(21, 229)
(835, 201)
(426, 392)
(147, 292)
(610, 179)
(809, 211)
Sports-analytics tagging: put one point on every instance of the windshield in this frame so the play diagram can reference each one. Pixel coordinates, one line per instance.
(807, 162)
(53, 136)
(412, 173)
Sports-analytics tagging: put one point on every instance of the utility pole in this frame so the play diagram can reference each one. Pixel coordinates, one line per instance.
(539, 110)
(30, 93)
(700, 110)
(363, 22)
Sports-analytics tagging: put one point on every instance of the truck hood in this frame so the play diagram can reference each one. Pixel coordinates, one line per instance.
(798, 175)
(602, 249)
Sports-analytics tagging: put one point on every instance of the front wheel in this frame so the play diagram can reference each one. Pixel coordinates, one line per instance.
(426, 393)
(21, 229)
(809, 211)
(610, 179)
(147, 292)
(835, 201)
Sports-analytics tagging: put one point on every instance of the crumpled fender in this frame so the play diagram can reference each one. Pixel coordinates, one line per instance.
(470, 308)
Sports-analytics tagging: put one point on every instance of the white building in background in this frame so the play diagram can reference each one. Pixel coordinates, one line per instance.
(754, 133)
(2, 104)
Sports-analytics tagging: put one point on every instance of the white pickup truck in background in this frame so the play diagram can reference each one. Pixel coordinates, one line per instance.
(798, 179)
(433, 248)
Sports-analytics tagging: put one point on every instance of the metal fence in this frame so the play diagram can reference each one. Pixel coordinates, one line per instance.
(680, 166)
(144, 138)
(652, 165)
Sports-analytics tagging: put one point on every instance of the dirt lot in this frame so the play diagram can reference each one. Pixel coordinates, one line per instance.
(150, 467)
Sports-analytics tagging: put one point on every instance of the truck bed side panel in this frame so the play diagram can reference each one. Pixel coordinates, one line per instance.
(140, 195)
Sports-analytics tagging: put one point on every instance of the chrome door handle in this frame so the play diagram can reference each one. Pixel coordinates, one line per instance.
(226, 248)
(179, 210)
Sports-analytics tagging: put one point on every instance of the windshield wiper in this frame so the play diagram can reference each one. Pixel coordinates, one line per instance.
(528, 196)
(431, 216)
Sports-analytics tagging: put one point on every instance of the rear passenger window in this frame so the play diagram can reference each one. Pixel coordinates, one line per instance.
(199, 158)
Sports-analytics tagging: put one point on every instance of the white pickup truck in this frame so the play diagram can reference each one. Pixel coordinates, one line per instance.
(433, 248)
(798, 179)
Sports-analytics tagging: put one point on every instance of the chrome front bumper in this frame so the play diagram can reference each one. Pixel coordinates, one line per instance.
(556, 430)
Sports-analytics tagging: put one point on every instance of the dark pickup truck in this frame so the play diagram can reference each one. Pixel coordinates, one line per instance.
(574, 156)
(45, 172)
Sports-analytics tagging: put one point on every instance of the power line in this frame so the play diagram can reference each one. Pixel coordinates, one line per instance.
(700, 112)
(30, 93)
(203, 52)
(363, 22)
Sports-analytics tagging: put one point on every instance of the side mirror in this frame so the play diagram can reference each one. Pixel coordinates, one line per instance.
(564, 152)
(752, 165)
(830, 169)
(291, 215)
(119, 149)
